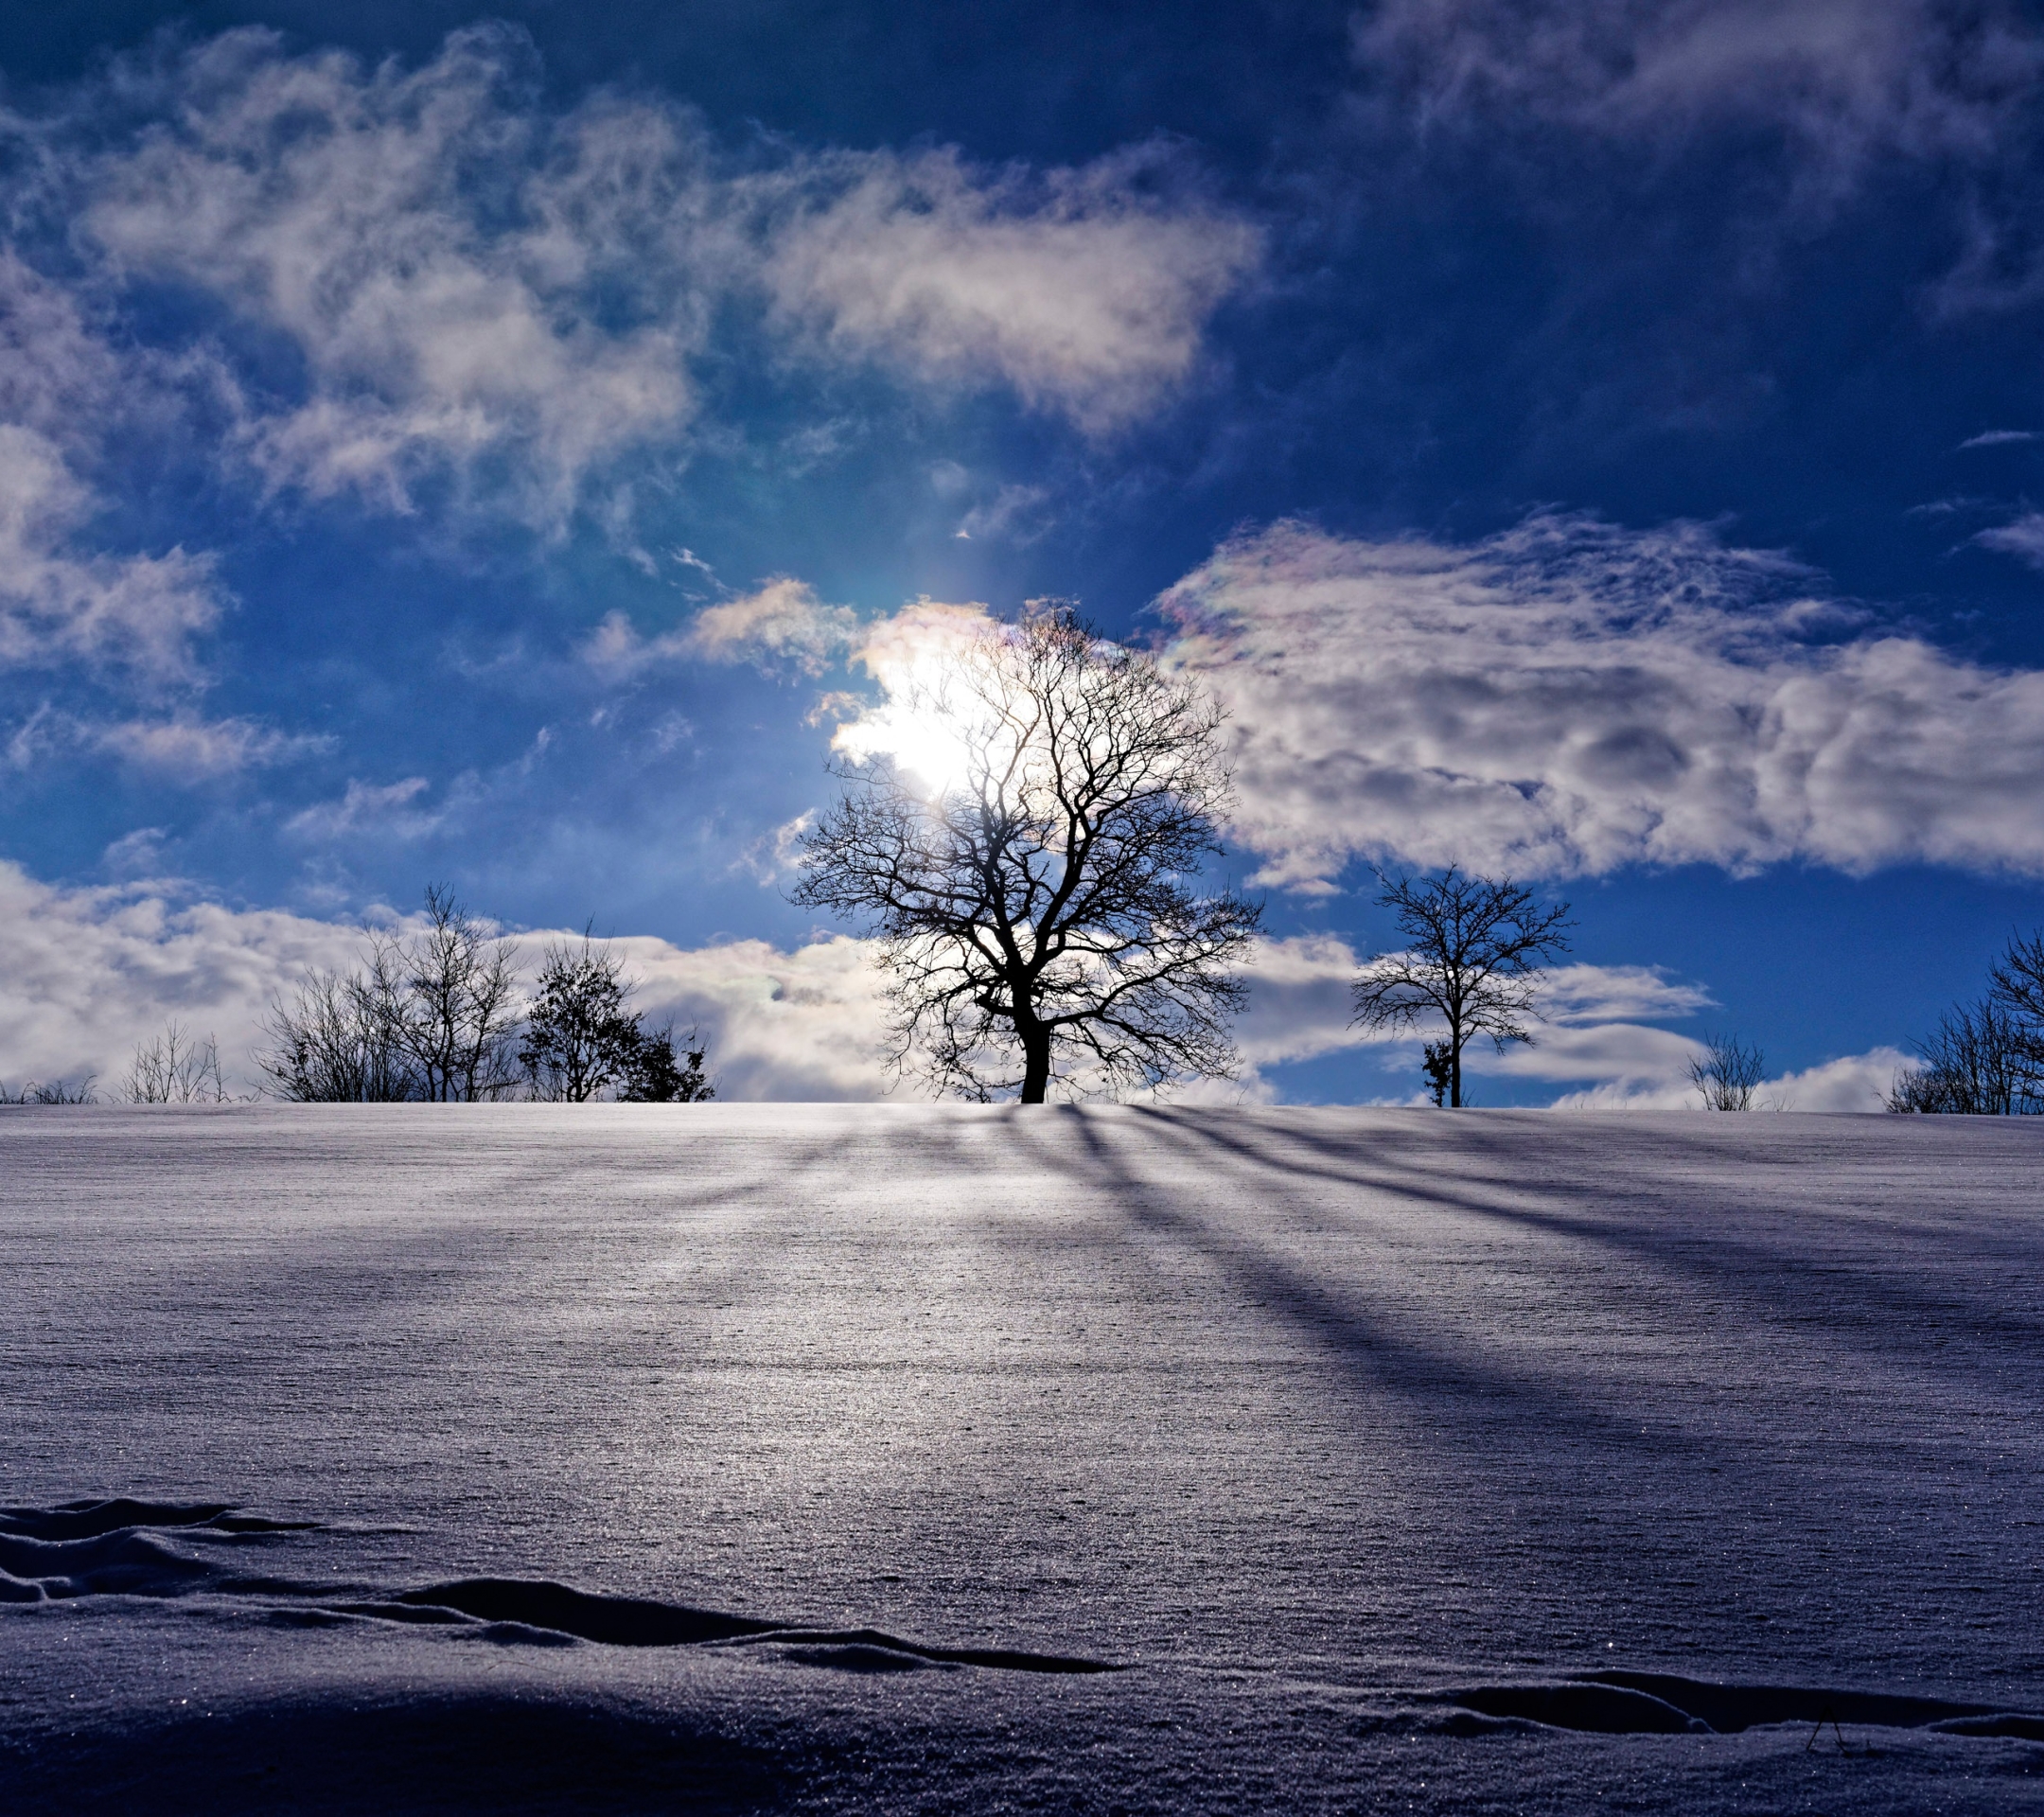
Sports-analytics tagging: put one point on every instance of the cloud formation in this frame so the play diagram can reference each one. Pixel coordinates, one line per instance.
(781, 627)
(134, 617)
(1082, 289)
(1570, 697)
(480, 292)
(88, 974)
(1844, 82)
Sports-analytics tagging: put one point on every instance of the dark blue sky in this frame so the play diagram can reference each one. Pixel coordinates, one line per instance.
(1410, 275)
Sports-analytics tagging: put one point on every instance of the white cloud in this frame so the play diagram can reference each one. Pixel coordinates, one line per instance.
(1570, 697)
(183, 749)
(781, 627)
(1845, 81)
(2024, 538)
(1300, 1008)
(387, 812)
(781, 1025)
(483, 292)
(433, 247)
(87, 974)
(1999, 438)
(1082, 289)
(1857, 1081)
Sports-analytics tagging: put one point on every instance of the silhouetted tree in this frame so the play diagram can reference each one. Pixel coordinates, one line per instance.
(1728, 1073)
(54, 1091)
(658, 1074)
(582, 1040)
(1473, 945)
(458, 1009)
(1042, 916)
(1977, 1064)
(173, 1068)
(1438, 1062)
(579, 1040)
(340, 1039)
(430, 1015)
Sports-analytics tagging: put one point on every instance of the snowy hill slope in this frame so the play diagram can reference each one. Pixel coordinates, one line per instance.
(1356, 1440)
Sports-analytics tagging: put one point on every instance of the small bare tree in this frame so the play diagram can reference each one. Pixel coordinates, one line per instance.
(1042, 916)
(54, 1091)
(173, 1068)
(1728, 1073)
(1473, 945)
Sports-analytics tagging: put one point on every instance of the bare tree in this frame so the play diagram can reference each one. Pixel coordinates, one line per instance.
(173, 1068)
(1473, 945)
(54, 1091)
(458, 1009)
(1728, 1073)
(1042, 917)
(1976, 1065)
(339, 1038)
(658, 1074)
(2016, 987)
(427, 1015)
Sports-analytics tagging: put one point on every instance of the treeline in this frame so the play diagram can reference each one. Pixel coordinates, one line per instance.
(1987, 1057)
(437, 1016)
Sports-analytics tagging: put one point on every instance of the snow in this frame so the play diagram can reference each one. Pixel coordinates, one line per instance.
(1354, 1438)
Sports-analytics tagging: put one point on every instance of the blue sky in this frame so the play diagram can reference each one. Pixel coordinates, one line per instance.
(1597, 441)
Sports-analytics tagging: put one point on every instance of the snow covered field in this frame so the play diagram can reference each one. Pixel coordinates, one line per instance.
(1354, 1439)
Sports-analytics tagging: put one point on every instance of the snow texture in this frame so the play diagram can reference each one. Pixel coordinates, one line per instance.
(808, 1458)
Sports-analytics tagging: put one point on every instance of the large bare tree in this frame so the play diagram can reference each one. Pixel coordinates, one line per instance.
(1471, 947)
(1041, 912)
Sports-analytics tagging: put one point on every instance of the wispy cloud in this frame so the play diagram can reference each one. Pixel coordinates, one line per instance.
(1080, 288)
(781, 627)
(1570, 697)
(1844, 82)
(2023, 537)
(2001, 438)
(389, 811)
(497, 300)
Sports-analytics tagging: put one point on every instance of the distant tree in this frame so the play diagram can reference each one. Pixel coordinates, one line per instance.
(1977, 1064)
(1728, 1073)
(660, 1075)
(1986, 1059)
(2015, 986)
(57, 1091)
(582, 1040)
(579, 1040)
(458, 1009)
(340, 1039)
(173, 1068)
(1473, 945)
(1042, 916)
(431, 1015)
(1437, 1062)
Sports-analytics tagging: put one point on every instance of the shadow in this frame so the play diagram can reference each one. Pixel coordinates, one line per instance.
(475, 1752)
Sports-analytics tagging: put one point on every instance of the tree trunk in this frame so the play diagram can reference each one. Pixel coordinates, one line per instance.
(1454, 1068)
(1035, 1064)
